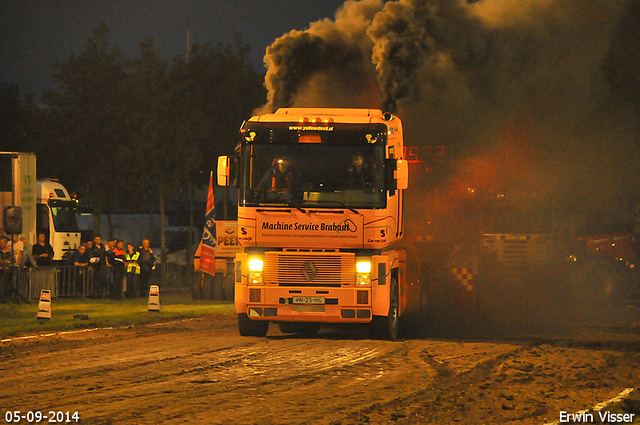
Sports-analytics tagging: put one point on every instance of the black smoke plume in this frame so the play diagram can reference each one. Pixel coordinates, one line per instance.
(533, 97)
(560, 76)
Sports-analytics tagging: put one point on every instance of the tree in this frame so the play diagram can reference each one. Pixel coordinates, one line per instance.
(161, 146)
(122, 132)
(219, 89)
(11, 115)
(92, 114)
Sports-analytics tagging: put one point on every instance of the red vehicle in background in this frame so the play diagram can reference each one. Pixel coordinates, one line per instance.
(614, 246)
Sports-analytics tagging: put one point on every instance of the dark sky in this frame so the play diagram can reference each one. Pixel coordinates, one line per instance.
(34, 34)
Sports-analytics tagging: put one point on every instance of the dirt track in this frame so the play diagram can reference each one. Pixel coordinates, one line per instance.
(201, 371)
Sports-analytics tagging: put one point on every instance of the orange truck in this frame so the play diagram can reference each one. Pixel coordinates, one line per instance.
(320, 215)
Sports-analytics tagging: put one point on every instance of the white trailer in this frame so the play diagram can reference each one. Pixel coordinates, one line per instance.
(45, 204)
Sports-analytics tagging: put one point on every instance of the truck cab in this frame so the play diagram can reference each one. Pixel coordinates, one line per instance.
(56, 217)
(517, 231)
(319, 214)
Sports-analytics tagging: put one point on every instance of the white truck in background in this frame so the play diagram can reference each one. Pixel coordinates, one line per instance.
(45, 205)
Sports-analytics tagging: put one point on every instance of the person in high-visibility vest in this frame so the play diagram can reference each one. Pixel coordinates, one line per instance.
(133, 271)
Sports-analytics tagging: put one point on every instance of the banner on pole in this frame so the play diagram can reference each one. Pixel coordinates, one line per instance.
(205, 257)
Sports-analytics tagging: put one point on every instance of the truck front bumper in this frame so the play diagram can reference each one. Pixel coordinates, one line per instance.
(304, 304)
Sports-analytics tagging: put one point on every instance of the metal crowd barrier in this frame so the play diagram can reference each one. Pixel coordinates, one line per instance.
(172, 275)
(81, 282)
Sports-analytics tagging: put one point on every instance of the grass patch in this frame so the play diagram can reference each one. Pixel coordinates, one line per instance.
(20, 319)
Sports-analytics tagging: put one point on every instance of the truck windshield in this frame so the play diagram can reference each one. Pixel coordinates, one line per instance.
(313, 174)
(64, 215)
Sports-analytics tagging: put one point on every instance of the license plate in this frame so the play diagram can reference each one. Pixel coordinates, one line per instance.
(308, 300)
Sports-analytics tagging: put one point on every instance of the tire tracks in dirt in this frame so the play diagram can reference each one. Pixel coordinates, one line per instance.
(205, 373)
(529, 384)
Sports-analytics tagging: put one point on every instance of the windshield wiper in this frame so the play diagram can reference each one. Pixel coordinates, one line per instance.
(293, 204)
(343, 205)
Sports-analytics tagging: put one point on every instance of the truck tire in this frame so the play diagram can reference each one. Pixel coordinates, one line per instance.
(196, 288)
(596, 283)
(229, 283)
(218, 290)
(248, 327)
(207, 287)
(388, 327)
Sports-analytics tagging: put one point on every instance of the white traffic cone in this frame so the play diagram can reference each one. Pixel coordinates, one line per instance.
(154, 298)
(44, 306)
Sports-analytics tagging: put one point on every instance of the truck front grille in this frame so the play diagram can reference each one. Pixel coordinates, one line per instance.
(516, 255)
(332, 269)
(513, 253)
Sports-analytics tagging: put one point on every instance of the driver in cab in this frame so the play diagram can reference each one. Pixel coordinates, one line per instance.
(278, 182)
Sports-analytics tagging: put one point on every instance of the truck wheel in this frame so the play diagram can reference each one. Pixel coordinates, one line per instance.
(207, 287)
(598, 283)
(218, 293)
(196, 289)
(387, 327)
(248, 327)
(229, 283)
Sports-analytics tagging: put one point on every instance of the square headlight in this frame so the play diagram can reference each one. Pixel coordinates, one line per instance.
(256, 265)
(363, 266)
(363, 276)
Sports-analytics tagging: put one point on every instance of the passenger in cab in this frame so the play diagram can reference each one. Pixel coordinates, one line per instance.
(360, 174)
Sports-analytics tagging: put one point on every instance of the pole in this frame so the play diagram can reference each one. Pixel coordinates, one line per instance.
(190, 240)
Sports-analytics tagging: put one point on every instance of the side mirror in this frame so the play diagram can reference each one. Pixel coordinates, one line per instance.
(224, 170)
(401, 174)
(397, 174)
(228, 167)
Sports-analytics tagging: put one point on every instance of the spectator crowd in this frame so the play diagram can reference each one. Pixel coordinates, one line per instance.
(110, 263)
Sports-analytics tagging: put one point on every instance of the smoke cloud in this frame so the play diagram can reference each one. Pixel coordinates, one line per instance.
(537, 98)
(333, 57)
(528, 95)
